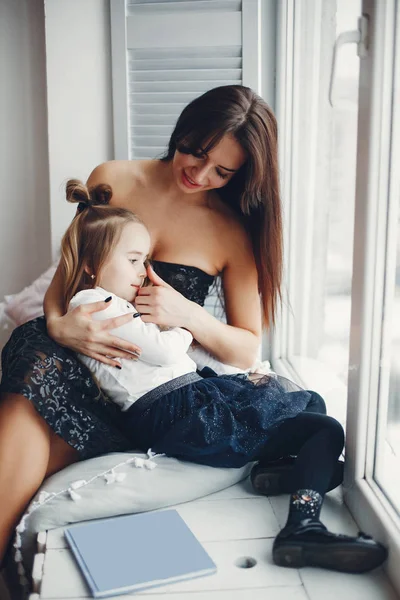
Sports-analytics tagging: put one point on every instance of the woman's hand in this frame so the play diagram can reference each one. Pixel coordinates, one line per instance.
(161, 304)
(79, 332)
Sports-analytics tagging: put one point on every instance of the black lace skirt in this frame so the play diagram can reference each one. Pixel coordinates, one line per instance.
(64, 393)
(62, 390)
(219, 421)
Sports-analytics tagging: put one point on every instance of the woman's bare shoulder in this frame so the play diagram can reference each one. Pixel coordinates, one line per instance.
(118, 173)
(230, 231)
(127, 178)
(228, 221)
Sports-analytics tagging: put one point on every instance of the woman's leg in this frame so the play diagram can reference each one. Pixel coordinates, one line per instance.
(304, 541)
(29, 452)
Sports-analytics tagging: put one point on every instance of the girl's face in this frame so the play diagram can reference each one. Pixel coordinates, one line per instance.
(124, 271)
(202, 172)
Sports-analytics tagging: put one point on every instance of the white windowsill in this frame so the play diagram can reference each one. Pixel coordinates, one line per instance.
(316, 376)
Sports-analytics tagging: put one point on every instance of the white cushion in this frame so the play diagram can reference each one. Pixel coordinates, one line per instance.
(142, 488)
(28, 304)
(6, 327)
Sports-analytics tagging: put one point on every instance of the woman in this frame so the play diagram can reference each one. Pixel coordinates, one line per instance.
(212, 207)
(168, 407)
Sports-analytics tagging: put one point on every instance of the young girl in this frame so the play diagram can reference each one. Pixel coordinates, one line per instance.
(224, 421)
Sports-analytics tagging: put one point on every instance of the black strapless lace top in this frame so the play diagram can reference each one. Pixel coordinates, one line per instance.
(191, 282)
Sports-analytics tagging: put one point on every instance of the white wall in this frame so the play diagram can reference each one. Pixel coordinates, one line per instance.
(69, 50)
(79, 97)
(24, 197)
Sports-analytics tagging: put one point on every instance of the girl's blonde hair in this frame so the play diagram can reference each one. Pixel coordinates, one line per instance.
(92, 235)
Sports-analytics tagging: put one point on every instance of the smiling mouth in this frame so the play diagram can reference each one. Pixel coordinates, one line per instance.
(187, 179)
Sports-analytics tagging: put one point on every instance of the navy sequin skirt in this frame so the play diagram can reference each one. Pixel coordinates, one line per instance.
(218, 421)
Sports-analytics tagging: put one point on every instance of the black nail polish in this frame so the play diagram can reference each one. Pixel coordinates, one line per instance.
(136, 315)
(108, 299)
(118, 366)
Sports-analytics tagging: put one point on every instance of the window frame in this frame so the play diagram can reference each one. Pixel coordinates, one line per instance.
(363, 496)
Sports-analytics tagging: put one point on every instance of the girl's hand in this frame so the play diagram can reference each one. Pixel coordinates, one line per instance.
(161, 304)
(79, 332)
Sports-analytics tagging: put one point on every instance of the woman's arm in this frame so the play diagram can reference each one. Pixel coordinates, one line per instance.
(203, 359)
(53, 304)
(238, 341)
(235, 343)
(79, 331)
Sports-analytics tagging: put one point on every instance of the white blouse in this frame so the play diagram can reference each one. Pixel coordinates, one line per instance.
(164, 353)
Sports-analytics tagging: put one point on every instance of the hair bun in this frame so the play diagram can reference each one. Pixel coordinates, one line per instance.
(78, 192)
(100, 195)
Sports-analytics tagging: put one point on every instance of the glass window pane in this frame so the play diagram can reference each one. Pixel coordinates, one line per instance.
(321, 294)
(387, 452)
(333, 347)
(387, 447)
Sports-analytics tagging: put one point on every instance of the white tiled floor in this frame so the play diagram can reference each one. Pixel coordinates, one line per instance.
(234, 525)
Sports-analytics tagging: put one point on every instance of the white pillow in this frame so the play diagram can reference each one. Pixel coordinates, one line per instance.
(6, 327)
(28, 304)
(86, 490)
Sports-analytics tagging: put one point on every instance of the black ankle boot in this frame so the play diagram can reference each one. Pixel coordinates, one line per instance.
(269, 478)
(309, 543)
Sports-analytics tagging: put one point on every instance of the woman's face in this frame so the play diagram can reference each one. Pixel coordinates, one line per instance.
(124, 271)
(208, 171)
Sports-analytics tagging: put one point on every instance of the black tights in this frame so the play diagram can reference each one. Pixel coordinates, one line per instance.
(316, 439)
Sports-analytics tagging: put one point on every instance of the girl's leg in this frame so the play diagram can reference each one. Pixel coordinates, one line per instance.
(272, 476)
(29, 452)
(318, 441)
(316, 404)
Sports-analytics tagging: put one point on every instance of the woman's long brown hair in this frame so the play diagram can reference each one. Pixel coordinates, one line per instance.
(253, 192)
(92, 235)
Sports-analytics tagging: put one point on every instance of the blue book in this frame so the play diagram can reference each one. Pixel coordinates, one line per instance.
(136, 552)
